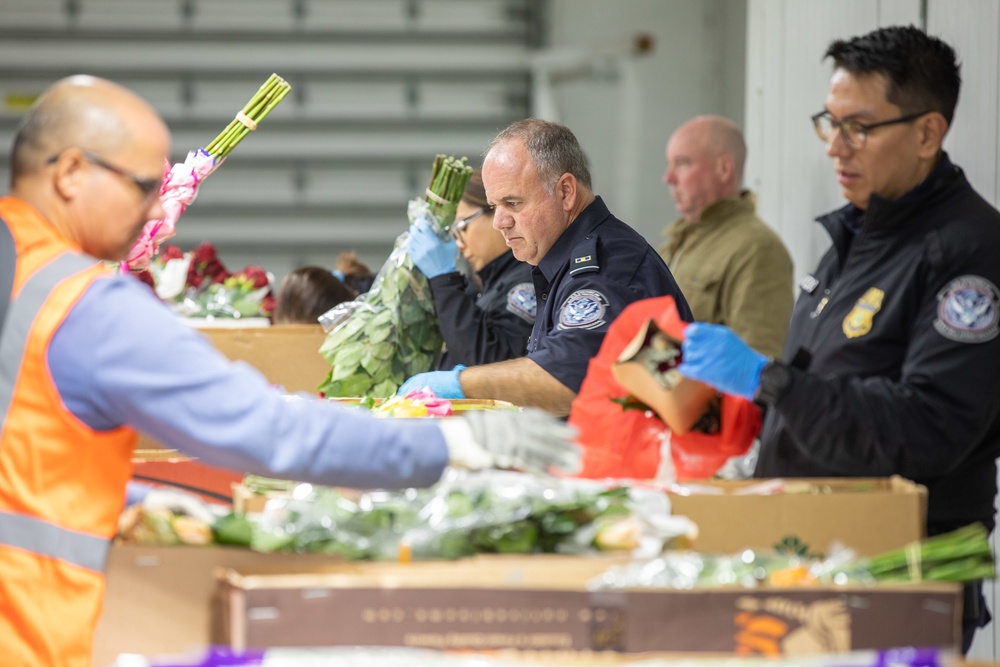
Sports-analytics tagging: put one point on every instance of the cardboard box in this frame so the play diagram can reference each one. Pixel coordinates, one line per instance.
(541, 603)
(869, 515)
(286, 354)
(158, 599)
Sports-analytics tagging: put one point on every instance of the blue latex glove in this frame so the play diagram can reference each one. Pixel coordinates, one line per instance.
(715, 355)
(444, 384)
(429, 253)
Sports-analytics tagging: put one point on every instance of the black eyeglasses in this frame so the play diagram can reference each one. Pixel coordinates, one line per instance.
(148, 186)
(458, 229)
(855, 134)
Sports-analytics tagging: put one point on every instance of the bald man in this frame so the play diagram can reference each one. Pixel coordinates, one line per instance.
(731, 266)
(87, 358)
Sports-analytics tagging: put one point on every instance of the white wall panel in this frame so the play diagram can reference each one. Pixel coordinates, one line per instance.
(972, 27)
(787, 80)
(899, 12)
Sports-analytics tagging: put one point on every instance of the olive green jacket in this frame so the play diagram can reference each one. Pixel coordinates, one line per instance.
(734, 270)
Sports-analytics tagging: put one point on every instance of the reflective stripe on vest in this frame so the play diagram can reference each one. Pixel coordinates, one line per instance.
(36, 535)
(8, 263)
(46, 539)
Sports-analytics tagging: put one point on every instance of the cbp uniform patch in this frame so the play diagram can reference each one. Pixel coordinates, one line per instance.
(968, 310)
(522, 302)
(583, 309)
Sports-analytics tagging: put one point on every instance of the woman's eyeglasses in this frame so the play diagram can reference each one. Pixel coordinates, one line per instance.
(458, 229)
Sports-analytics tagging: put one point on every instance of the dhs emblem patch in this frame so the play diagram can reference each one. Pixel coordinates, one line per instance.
(583, 309)
(522, 302)
(968, 310)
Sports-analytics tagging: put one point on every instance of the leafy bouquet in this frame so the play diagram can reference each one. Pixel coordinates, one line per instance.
(181, 181)
(197, 284)
(390, 333)
(465, 513)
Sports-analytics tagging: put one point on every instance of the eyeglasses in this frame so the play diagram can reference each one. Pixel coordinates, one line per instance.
(855, 134)
(458, 229)
(147, 186)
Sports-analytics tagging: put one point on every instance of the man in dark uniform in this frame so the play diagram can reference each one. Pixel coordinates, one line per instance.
(587, 266)
(892, 360)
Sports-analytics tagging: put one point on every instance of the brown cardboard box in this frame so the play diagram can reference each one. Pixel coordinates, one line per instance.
(541, 603)
(286, 354)
(869, 515)
(158, 599)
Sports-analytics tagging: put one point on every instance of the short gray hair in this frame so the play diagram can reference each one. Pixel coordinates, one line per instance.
(552, 147)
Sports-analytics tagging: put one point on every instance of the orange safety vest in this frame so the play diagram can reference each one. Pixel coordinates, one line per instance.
(62, 484)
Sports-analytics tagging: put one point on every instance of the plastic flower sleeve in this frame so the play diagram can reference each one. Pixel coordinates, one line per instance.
(389, 333)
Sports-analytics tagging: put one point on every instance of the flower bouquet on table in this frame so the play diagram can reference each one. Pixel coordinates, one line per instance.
(197, 284)
(390, 333)
(181, 180)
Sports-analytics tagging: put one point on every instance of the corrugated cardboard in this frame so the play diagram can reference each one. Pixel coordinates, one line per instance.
(287, 354)
(158, 599)
(541, 603)
(869, 515)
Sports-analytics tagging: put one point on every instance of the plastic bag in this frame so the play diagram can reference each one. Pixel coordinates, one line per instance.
(387, 334)
(624, 439)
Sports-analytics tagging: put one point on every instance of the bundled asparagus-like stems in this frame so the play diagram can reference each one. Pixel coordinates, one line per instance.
(391, 333)
(256, 110)
(961, 555)
(449, 177)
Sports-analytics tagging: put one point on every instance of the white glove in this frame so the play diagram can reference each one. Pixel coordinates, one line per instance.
(530, 440)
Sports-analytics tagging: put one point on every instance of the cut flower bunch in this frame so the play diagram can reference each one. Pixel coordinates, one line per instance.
(181, 181)
(390, 333)
(197, 284)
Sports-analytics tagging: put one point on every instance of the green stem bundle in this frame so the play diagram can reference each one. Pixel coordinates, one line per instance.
(260, 105)
(449, 176)
(961, 555)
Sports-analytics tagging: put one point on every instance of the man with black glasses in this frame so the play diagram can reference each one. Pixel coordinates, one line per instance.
(892, 360)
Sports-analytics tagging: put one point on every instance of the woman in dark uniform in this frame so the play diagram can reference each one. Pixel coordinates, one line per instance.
(489, 317)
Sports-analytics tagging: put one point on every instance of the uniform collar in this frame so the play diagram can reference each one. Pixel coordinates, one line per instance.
(589, 219)
(885, 214)
(496, 267)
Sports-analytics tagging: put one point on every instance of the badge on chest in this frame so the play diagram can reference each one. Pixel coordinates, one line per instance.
(859, 321)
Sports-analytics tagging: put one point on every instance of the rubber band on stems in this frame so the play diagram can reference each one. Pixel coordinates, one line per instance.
(247, 121)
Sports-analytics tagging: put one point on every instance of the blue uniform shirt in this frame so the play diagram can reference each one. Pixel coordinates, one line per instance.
(596, 268)
(121, 357)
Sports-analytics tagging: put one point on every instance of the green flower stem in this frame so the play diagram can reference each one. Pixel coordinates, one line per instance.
(260, 105)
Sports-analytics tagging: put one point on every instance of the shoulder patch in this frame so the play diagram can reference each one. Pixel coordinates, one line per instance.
(522, 302)
(968, 310)
(583, 309)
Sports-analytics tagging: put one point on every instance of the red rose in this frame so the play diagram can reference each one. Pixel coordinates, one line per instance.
(145, 277)
(170, 252)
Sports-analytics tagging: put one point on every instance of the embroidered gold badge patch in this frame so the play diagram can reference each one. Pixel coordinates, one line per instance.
(859, 321)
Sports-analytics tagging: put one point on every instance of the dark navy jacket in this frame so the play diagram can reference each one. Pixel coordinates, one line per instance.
(596, 268)
(491, 326)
